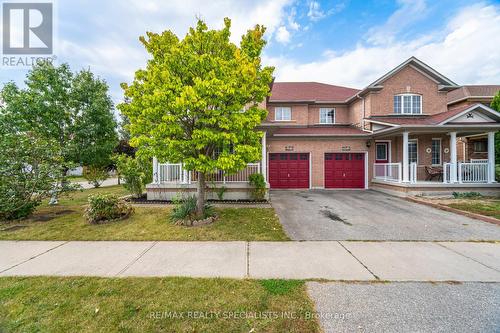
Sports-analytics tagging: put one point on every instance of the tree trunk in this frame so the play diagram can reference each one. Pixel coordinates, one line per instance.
(200, 195)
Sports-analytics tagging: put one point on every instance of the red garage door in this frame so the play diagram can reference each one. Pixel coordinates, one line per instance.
(289, 170)
(345, 170)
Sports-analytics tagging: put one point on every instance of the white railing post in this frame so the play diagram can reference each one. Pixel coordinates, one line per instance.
(263, 159)
(405, 157)
(453, 157)
(156, 178)
(491, 157)
(445, 173)
(400, 173)
(460, 173)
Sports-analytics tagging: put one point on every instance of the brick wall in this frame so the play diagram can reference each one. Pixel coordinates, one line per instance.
(318, 148)
(408, 80)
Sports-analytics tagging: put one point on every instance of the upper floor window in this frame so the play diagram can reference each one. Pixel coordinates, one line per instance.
(327, 116)
(408, 104)
(282, 113)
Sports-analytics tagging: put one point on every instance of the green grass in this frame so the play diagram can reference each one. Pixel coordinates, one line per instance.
(66, 222)
(57, 304)
(486, 207)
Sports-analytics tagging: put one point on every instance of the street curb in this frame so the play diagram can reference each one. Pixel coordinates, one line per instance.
(484, 218)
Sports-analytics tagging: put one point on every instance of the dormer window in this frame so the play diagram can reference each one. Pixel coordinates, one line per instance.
(282, 113)
(327, 116)
(408, 104)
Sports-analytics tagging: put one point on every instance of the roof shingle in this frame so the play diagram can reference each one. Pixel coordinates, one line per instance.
(309, 91)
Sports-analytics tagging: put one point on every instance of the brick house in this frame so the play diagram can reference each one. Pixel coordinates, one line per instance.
(411, 131)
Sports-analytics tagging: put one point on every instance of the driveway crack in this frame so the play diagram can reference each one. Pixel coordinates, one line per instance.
(362, 264)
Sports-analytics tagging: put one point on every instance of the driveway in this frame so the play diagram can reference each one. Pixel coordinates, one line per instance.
(371, 215)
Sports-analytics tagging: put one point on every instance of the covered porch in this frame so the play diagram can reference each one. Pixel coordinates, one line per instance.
(429, 160)
(171, 180)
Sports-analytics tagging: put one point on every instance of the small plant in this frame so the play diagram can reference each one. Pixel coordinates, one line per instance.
(104, 208)
(220, 192)
(135, 173)
(466, 195)
(184, 211)
(259, 186)
(95, 175)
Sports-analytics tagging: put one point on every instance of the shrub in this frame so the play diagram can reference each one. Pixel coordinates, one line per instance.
(184, 211)
(95, 175)
(259, 186)
(466, 195)
(104, 208)
(220, 191)
(136, 173)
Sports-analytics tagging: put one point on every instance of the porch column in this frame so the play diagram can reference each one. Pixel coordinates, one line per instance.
(453, 157)
(405, 158)
(491, 157)
(156, 179)
(263, 160)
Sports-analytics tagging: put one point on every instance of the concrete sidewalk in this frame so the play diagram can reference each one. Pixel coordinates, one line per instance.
(332, 260)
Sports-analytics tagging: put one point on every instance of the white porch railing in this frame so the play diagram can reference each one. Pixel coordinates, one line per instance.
(467, 172)
(388, 171)
(413, 173)
(175, 173)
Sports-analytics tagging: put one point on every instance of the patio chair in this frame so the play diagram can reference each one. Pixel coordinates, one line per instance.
(433, 172)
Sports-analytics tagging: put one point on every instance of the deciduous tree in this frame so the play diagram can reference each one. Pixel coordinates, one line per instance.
(197, 101)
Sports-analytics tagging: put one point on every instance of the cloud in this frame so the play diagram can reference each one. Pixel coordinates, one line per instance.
(410, 11)
(465, 50)
(315, 13)
(282, 35)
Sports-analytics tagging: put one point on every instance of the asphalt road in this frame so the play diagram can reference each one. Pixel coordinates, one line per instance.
(407, 307)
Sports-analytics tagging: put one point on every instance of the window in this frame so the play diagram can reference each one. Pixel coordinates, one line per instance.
(326, 116)
(282, 114)
(480, 146)
(436, 151)
(381, 151)
(412, 151)
(408, 104)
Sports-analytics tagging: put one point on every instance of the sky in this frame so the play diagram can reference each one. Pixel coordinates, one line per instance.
(341, 42)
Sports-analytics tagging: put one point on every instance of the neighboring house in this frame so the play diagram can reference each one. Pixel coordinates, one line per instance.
(399, 134)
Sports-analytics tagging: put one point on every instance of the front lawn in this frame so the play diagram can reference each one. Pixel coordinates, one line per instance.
(64, 304)
(487, 207)
(66, 222)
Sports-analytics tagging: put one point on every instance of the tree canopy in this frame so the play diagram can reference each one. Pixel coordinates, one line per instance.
(72, 109)
(197, 101)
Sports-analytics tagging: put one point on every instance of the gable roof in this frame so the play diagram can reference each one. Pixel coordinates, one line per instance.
(472, 91)
(443, 82)
(436, 119)
(309, 92)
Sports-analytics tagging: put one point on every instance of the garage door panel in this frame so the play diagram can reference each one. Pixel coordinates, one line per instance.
(291, 170)
(344, 170)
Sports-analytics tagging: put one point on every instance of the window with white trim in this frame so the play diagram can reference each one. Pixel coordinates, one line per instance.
(436, 151)
(412, 151)
(327, 116)
(408, 104)
(282, 113)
